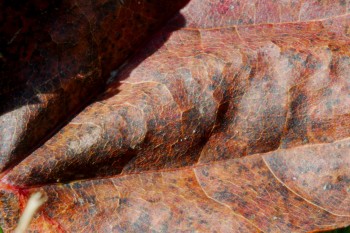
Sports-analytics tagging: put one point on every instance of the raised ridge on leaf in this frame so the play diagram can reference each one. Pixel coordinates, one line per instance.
(233, 118)
(56, 56)
(223, 98)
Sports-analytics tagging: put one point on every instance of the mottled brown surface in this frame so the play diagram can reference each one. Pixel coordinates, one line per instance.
(323, 179)
(55, 56)
(235, 117)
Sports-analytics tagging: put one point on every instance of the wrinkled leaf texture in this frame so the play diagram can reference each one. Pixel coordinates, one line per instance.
(233, 117)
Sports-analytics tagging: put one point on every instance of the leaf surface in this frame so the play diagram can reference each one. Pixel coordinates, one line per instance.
(234, 117)
(56, 56)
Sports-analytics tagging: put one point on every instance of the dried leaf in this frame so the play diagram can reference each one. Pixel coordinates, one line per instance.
(233, 118)
(57, 55)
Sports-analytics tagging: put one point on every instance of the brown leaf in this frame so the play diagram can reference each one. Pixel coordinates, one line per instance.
(233, 118)
(245, 195)
(56, 56)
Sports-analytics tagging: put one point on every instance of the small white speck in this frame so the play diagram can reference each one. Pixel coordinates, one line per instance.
(232, 7)
(81, 201)
(294, 178)
(194, 131)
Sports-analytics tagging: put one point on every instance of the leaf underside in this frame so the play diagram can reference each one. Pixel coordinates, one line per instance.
(233, 117)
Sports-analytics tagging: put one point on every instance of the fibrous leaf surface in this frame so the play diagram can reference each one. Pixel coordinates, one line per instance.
(234, 117)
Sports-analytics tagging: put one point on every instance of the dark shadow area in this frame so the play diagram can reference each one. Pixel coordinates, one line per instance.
(40, 49)
(341, 230)
(156, 41)
(116, 164)
(51, 47)
(106, 168)
(22, 27)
